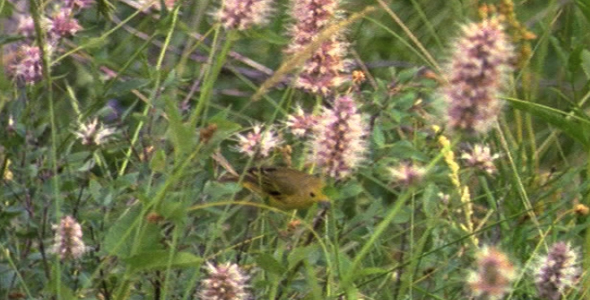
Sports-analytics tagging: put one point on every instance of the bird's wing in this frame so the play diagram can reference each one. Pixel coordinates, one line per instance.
(273, 182)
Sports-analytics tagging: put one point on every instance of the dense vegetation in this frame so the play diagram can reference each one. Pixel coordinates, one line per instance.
(451, 138)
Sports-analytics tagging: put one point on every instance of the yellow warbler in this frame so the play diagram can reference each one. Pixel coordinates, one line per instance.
(286, 188)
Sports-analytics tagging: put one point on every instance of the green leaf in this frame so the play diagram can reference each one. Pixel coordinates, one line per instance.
(344, 263)
(297, 255)
(268, 263)
(430, 200)
(378, 137)
(310, 253)
(404, 150)
(65, 292)
(123, 87)
(123, 237)
(351, 189)
(403, 216)
(407, 75)
(224, 130)
(127, 180)
(586, 62)
(93, 43)
(95, 190)
(171, 80)
(269, 36)
(584, 7)
(332, 192)
(87, 166)
(78, 157)
(217, 190)
(574, 61)
(105, 8)
(372, 271)
(172, 210)
(7, 9)
(406, 101)
(8, 39)
(572, 125)
(118, 240)
(160, 259)
(182, 137)
(158, 162)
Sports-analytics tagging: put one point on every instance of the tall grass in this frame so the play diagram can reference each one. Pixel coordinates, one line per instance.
(171, 88)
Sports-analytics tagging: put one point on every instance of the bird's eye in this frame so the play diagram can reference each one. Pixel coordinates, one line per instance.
(312, 194)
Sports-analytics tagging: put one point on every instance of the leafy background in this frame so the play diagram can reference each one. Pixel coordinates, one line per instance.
(153, 212)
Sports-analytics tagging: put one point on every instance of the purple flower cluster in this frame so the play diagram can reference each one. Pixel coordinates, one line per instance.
(301, 123)
(556, 271)
(477, 71)
(259, 142)
(243, 14)
(339, 138)
(68, 242)
(61, 24)
(224, 282)
(494, 274)
(325, 70)
(480, 157)
(29, 67)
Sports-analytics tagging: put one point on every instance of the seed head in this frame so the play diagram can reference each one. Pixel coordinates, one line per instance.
(225, 282)
(68, 242)
(358, 77)
(581, 209)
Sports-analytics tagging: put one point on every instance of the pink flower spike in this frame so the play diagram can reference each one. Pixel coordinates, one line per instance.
(28, 66)
(224, 282)
(327, 68)
(478, 69)
(339, 138)
(300, 123)
(494, 274)
(243, 14)
(68, 242)
(557, 271)
(63, 24)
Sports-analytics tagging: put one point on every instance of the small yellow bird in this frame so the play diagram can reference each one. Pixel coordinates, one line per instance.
(286, 188)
